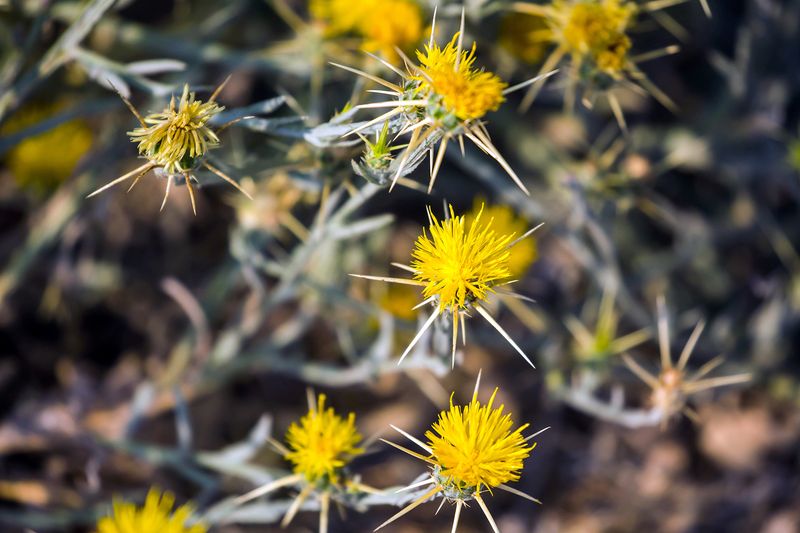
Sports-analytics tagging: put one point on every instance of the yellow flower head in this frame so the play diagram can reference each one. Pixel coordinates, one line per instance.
(178, 137)
(460, 265)
(471, 449)
(474, 446)
(596, 28)
(389, 24)
(41, 162)
(465, 91)
(322, 442)
(383, 24)
(338, 16)
(506, 222)
(155, 516)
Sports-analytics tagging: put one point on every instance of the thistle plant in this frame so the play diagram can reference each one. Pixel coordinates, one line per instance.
(443, 97)
(593, 38)
(470, 450)
(458, 267)
(157, 515)
(175, 143)
(319, 446)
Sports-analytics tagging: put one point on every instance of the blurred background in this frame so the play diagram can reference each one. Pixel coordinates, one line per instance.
(141, 347)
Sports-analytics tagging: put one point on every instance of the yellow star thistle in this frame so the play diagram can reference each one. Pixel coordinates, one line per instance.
(474, 446)
(457, 265)
(442, 98)
(465, 91)
(594, 35)
(176, 137)
(321, 443)
(597, 29)
(155, 516)
(175, 143)
(471, 450)
(505, 222)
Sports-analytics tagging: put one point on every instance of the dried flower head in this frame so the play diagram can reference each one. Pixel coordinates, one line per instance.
(594, 36)
(458, 266)
(674, 384)
(175, 143)
(471, 450)
(179, 136)
(155, 516)
(442, 98)
(319, 446)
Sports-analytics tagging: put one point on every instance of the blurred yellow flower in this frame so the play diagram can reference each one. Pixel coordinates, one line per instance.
(382, 24)
(41, 162)
(321, 443)
(155, 516)
(596, 29)
(399, 300)
(520, 34)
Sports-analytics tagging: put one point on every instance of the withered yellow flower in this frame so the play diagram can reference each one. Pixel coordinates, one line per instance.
(175, 143)
(155, 516)
(471, 449)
